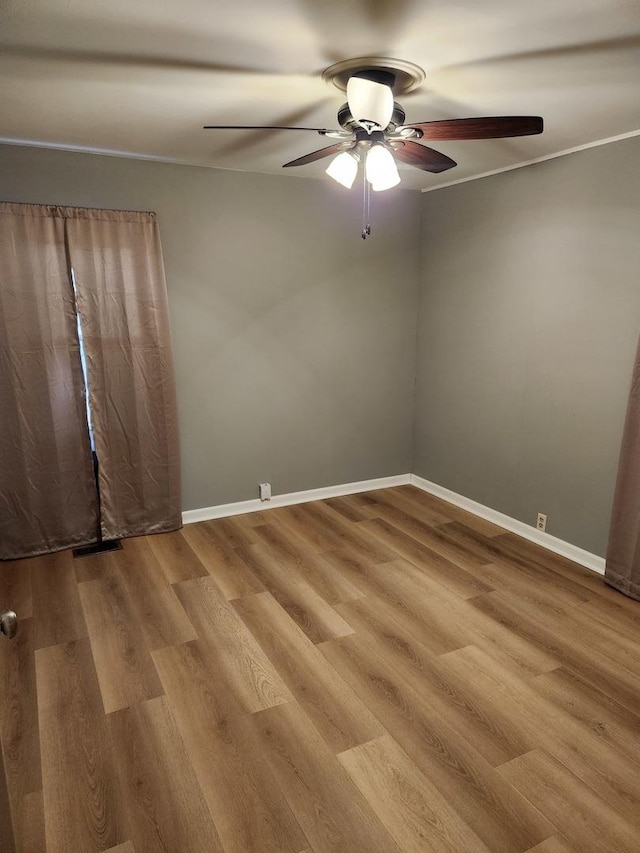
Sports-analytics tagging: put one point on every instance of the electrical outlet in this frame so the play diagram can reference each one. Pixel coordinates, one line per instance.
(541, 523)
(265, 491)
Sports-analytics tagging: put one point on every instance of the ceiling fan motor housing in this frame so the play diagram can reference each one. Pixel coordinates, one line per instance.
(347, 121)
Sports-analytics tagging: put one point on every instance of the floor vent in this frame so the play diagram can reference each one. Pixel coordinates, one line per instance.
(98, 548)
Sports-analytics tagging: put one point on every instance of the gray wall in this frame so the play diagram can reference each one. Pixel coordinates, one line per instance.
(294, 339)
(529, 319)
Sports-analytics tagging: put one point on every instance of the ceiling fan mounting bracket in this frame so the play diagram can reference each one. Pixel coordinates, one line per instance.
(400, 76)
(378, 75)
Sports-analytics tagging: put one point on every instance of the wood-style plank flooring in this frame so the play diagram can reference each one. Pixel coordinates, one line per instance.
(370, 674)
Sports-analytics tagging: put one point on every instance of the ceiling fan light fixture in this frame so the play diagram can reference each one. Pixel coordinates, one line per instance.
(344, 168)
(381, 169)
(370, 102)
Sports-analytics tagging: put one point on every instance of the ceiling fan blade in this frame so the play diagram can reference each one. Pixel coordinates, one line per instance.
(318, 155)
(422, 157)
(489, 127)
(322, 130)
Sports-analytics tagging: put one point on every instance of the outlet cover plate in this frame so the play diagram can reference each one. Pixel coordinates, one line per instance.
(265, 491)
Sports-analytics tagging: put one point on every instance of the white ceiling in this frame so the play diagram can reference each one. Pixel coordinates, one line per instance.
(141, 77)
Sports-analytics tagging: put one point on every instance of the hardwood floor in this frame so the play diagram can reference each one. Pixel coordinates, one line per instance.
(369, 674)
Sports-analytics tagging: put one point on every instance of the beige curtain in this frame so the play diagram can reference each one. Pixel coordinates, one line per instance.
(121, 295)
(623, 552)
(47, 488)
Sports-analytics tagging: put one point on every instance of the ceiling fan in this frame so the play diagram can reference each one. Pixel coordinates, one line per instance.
(372, 128)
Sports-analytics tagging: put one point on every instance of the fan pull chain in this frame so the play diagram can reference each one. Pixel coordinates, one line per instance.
(366, 207)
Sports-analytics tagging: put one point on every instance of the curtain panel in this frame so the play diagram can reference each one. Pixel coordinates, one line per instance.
(623, 552)
(122, 300)
(48, 495)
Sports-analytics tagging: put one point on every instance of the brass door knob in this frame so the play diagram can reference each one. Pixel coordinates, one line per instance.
(8, 624)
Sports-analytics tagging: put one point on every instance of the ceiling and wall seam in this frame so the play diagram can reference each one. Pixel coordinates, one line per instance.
(574, 150)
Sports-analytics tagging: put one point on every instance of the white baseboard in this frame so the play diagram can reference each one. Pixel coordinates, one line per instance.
(551, 543)
(223, 510)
